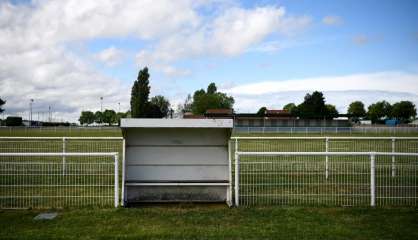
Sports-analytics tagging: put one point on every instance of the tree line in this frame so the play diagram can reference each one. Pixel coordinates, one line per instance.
(403, 111)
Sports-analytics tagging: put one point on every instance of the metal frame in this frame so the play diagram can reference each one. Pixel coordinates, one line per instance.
(95, 154)
(372, 156)
(64, 149)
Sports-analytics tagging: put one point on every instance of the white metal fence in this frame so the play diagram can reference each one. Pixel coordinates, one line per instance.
(43, 180)
(330, 179)
(299, 178)
(66, 145)
(327, 130)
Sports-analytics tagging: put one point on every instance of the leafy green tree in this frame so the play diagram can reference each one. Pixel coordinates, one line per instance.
(139, 94)
(404, 111)
(98, 117)
(187, 105)
(86, 117)
(212, 99)
(356, 110)
(261, 112)
(162, 103)
(331, 111)
(109, 117)
(313, 106)
(212, 88)
(379, 111)
(154, 111)
(290, 107)
(2, 102)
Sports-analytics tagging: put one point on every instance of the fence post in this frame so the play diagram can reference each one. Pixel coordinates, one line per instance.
(123, 172)
(236, 180)
(372, 180)
(229, 193)
(393, 157)
(116, 181)
(326, 157)
(63, 156)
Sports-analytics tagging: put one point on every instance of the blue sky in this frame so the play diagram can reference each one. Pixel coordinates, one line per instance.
(261, 52)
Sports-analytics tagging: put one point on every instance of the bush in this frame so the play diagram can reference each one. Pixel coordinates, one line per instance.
(14, 121)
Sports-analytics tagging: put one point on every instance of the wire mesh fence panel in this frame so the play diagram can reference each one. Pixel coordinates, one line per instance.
(29, 181)
(304, 178)
(301, 180)
(397, 184)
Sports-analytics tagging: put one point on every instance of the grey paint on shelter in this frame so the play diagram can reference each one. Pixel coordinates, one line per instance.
(176, 159)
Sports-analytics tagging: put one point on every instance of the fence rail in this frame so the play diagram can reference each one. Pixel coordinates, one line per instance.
(355, 178)
(42, 180)
(325, 130)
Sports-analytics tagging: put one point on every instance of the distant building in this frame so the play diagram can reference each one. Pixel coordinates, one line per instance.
(219, 113)
(271, 118)
(278, 114)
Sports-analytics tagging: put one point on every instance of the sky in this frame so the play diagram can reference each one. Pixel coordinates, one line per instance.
(68, 53)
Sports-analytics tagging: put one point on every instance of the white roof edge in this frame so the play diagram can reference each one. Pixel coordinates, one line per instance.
(175, 123)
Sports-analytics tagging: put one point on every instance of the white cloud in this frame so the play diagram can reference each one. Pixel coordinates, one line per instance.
(332, 20)
(175, 72)
(110, 56)
(339, 90)
(36, 61)
(230, 33)
(267, 47)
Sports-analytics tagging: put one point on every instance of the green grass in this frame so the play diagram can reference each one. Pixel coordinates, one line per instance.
(60, 132)
(213, 222)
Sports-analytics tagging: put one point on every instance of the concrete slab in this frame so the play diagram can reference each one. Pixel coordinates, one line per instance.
(46, 216)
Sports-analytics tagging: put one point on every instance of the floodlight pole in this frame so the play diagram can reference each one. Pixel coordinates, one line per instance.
(49, 113)
(101, 104)
(119, 106)
(30, 111)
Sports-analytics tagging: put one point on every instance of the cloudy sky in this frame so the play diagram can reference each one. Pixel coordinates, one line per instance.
(68, 53)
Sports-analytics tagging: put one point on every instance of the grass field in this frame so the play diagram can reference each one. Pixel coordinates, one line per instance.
(60, 132)
(213, 222)
(218, 221)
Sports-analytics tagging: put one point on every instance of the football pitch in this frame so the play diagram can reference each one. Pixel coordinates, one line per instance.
(269, 193)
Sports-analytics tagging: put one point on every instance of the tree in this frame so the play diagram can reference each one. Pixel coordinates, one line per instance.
(212, 88)
(356, 110)
(139, 94)
(261, 112)
(313, 106)
(404, 111)
(153, 111)
(290, 107)
(98, 117)
(212, 99)
(162, 103)
(14, 121)
(121, 115)
(109, 117)
(379, 111)
(86, 117)
(2, 102)
(331, 111)
(187, 105)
